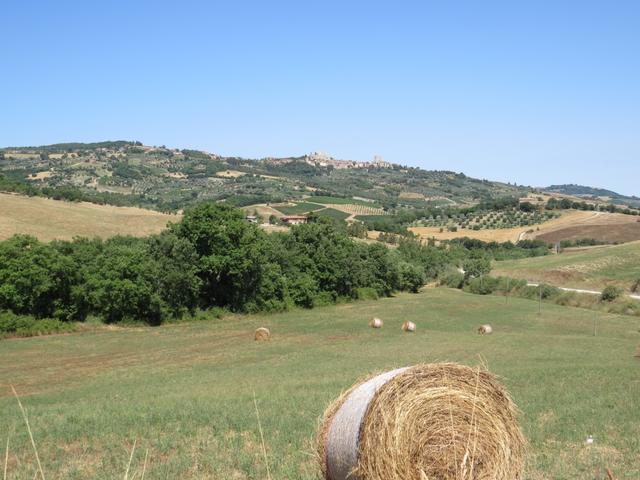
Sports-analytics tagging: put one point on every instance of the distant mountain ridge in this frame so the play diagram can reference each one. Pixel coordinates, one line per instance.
(592, 192)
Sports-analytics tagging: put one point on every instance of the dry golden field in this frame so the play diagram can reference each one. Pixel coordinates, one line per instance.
(551, 230)
(49, 219)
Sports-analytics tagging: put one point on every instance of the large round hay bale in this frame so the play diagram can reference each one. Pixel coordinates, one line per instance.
(262, 334)
(376, 323)
(485, 330)
(436, 421)
(409, 327)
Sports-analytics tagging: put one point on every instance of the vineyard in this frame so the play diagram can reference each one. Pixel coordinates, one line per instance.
(345, 209)
(356, 209)
(487, 220)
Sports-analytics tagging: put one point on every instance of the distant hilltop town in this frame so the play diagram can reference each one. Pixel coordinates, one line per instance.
(321, 159)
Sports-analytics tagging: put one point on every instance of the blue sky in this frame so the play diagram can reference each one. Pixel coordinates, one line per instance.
(535, 92)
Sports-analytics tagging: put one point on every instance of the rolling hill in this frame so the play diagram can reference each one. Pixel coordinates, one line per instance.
(595, 194)
(589, 268)
(48, 219)
(132, 174)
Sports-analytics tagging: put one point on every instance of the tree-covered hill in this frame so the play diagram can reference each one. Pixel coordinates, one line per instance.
(594, 193)
(129, 173)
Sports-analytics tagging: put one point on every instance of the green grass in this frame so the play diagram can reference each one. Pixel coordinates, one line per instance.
(300, 208)
(184, 392)
(333, 213)
(591, 268)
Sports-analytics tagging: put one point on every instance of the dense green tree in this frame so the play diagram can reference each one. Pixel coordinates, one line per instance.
(36, 279)
(229, 250)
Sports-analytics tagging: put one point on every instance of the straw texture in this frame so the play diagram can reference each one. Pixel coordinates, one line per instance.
(485, 330)
(376, 323)
(262, 334)
(408, 327)
(438, 421)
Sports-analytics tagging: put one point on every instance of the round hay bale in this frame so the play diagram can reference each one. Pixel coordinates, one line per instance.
(637, 355)
(439, 421)
(485, 330)
(376, 323)
(262, 334)
(409, 327)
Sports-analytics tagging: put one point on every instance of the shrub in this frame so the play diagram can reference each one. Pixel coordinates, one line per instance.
(26, 325)
(367, 293)
(452, 279)
(610, 293)
(483, 285)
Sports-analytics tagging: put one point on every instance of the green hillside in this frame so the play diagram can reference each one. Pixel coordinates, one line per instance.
(591, 268)
(129, 173)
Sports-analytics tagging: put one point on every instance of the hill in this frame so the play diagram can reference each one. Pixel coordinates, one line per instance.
(48, 219)
(184, 393)
(129, 173)
(590, 268)
(595, 194)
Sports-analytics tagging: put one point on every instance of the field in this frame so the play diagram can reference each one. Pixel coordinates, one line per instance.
(556, 229)
(621, 232)
(300, 208)
(590, 268)
(184, 393)
(339, 201)
(333, 213)
(55, 219)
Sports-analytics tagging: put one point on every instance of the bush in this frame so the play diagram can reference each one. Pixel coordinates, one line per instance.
(483, 285)
(412, 277)
(26, 325)
(610, 293)
(453, 279)
(367, 293)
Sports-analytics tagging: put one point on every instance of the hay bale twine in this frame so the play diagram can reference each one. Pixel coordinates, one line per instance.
(262, 334)
(409, 327)
(439, 421)
(485, 330)
(376, 323)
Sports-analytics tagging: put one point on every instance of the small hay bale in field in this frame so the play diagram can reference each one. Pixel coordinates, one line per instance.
(439, 421)
(376, 323)
(262, 334)
(409, 327)
(637, 355)
(485, 330)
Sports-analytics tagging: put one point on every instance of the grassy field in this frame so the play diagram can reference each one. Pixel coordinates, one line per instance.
(184, 393)
(55, 219)
(333, 213)
(592, 268)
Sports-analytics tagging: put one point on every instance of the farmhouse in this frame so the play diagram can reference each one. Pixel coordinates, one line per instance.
(294, 219)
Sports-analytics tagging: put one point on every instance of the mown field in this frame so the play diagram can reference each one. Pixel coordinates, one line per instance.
(48, 219)
(184, 393)
(590, 268)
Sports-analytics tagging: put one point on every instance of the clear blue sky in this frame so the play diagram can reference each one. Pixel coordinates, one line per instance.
(535, 92)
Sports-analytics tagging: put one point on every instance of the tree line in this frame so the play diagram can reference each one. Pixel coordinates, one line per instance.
(214, 258)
